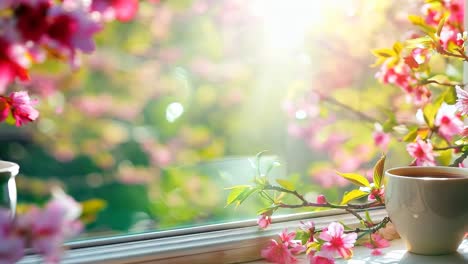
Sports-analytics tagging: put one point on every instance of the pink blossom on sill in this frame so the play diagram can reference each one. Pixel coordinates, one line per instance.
(422, 151)
(278, 253)
(377, 242)
(448, 122)
(321, 257)
(264, 220)
(308, 226)
(22, 108)
(337, 241)
(283, 252)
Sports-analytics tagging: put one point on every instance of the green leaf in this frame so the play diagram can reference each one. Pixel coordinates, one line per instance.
(430, 110)
(353, 195)
(397, 47)
(441, 25)
(450, 96)
(444, 157)
(378, 171)
(440, 78)
(411, 136)
(421, 23)
(286, 184)
(244, 195)
(355, 178)
(236, 193)
(422, 42)
(368, 218)
(383, 53)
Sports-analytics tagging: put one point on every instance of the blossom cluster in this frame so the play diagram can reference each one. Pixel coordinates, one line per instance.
(19, 106)
(42, 229)
(33, 31)
(321, 246)
(439, 119)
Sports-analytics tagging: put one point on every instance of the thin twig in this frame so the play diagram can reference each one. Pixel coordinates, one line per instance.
(348, 108)
(451, 147)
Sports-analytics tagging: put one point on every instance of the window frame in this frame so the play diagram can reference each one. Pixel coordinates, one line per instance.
(221, 243)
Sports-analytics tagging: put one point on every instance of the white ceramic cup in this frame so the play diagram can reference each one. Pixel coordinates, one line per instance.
(428, 206)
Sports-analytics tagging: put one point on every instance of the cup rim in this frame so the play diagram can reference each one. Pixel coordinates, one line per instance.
(455, 170)
(8, 166)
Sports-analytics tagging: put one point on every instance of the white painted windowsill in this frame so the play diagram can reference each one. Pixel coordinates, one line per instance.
(397, 253)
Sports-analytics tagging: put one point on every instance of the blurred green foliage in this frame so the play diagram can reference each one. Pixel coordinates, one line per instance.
(166, 113)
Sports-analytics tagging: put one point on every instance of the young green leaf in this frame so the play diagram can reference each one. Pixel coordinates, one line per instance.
(441, 25)
(353, 195)
(378, 171)
(355, 178)
(411, 136)
(450, 96)
(286, 184)
(383, 53)
(368, 218)
(236, 193)
(430, 111)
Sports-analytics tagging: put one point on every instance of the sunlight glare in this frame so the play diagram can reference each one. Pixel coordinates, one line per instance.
(287, 22)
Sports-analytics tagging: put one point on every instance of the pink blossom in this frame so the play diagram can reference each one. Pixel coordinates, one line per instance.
(122, 10)
(376, 243)
(448, 35)
(11, 245)
(321, 199)
(32, 22)
(264, 220)
(320, 259)
(449, 124)
(308, 226)
(70, 30)
(377, 193)
(283, 251)
(4, 108)
(13, 63)
(462, 100)
(381, 139)
(278, 253)
(54, 224)
(457, 9)
(337, 241)
(422, 152)
(22, 108)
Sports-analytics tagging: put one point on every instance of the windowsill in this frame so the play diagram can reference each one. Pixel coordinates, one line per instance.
(226, 243)
(397, 253)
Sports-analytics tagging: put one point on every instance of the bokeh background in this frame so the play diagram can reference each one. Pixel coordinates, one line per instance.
(169, 109)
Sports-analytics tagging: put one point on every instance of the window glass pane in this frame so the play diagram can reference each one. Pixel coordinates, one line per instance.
(170, 108)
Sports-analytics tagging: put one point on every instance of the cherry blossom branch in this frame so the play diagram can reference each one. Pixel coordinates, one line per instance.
(327, 204)
(450, 147)
(348, 108)
(460, 159)
(423, 82)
